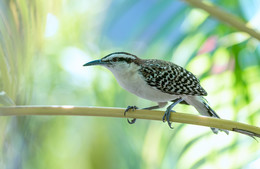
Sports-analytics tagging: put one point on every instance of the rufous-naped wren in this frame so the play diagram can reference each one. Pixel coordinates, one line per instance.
(159, 81)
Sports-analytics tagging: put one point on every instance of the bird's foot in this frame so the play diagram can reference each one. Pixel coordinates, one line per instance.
(130, 108)
(168, 111)
(166, 117)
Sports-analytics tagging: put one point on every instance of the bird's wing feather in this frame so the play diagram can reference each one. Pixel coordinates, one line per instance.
(170, 78)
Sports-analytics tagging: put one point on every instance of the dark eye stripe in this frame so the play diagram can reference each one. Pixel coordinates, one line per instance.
(124, 60)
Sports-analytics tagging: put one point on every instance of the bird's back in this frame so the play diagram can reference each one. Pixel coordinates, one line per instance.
(170, 78)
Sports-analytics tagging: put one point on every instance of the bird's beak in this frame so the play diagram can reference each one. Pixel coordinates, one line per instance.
(94, 62)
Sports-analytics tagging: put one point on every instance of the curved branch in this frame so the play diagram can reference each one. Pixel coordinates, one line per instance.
(139, 114)
(224, 16)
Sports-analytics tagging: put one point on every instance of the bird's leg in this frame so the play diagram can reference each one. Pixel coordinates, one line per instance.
(168, 111)
(151, 108)
(160, 105)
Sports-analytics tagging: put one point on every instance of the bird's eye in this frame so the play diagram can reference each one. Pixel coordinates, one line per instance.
(114, 59)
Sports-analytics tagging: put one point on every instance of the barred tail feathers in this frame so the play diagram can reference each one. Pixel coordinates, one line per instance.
(202, 106)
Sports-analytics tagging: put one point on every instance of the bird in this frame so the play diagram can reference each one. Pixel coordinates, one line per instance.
(158, 81)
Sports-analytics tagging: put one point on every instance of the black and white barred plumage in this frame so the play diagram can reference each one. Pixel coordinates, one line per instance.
(170, 78)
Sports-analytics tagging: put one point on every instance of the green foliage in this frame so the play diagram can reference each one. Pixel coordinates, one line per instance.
(43, 45)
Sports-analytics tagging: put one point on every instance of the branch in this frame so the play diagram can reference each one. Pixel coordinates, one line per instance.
(252, 131)
(224, 16)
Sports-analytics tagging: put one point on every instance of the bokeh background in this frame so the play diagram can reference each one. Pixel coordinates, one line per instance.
(43, 45)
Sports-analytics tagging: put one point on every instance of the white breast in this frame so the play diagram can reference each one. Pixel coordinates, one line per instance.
(133, 82)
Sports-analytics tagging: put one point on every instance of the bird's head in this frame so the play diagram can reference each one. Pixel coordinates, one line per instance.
(117, 61)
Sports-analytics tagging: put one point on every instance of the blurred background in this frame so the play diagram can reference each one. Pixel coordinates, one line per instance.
(43, 45)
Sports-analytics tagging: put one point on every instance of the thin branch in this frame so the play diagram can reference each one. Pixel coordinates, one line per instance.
(139, 114)
(224, 16)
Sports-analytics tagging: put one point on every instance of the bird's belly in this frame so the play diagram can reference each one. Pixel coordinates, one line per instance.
(152, 94)
(136, 85)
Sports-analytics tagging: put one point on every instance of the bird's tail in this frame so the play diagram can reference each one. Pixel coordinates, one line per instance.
(202, 106)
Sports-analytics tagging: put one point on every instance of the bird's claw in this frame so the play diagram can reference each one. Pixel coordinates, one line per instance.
(131, 121)
(127, 109)
(166, 117)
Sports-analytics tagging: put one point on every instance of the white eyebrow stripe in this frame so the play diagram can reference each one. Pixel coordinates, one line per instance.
(119, 55)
